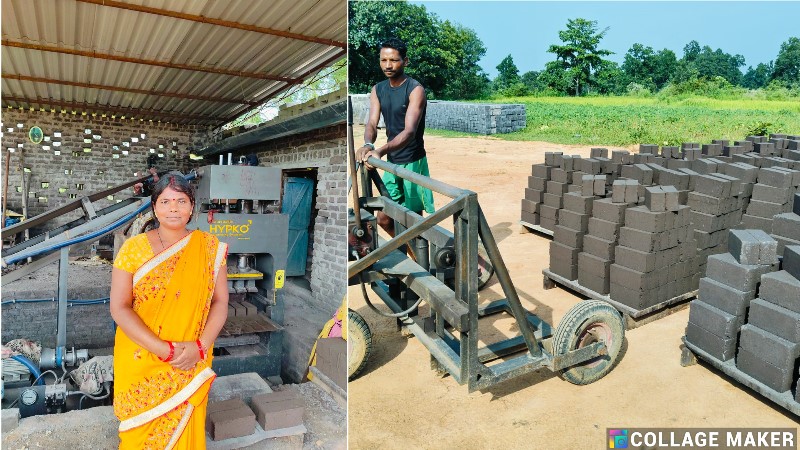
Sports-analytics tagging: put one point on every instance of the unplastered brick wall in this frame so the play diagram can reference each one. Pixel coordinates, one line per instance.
(83, 154)
(305, 315)
(88, 326)
(480, 118)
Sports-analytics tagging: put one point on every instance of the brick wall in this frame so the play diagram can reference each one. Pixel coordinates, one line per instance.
(325, 150)
(479, 118)
(75, 172)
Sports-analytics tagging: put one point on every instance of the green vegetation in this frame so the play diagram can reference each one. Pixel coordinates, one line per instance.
(641, 120)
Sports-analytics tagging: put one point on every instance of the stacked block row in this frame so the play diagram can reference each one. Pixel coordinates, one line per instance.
(650, 259)
(725, 294)
(773, 194)
(786, 227)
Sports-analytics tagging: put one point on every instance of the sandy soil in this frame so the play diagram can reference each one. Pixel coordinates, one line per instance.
(400, 403)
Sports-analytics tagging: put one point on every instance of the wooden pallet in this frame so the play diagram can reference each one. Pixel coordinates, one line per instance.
(783, 399)
(536, 228)
(633, 317)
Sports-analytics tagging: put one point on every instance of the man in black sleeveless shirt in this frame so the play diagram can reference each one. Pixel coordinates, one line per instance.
(401, 100)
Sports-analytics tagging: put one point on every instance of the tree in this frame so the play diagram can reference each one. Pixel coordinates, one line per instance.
(531, 81)
(787, 64)
(579, 54)
(759, 77)
(609, 78)
(716, 63)
(507, 74)
(638, 66)
(442, 56)
(690, 51)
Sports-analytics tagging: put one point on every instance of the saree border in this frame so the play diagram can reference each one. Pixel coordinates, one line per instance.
(169, 404)
(153, 262)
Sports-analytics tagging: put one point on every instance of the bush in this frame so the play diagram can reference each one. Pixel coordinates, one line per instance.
(637, 90)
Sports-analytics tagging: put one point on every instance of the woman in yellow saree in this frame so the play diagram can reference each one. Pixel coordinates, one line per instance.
(169, 298)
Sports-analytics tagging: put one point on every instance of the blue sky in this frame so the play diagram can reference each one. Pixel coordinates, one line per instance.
(525, 30)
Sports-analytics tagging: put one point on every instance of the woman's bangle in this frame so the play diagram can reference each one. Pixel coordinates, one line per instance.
(200, 348)
(171, 353)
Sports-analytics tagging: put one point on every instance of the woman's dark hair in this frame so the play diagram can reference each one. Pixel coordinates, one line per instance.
(396, 44)
(175, 182)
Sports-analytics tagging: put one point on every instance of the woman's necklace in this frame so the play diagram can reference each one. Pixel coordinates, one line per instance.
(164, 247)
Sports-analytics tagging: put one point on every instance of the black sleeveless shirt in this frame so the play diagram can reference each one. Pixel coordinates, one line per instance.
(394, 103)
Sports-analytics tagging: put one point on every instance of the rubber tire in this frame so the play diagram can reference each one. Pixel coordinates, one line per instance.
(359, 344)
(589, 314)
(145, 222)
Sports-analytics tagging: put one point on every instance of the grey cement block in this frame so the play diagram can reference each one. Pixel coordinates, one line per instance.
(606, 209)
(640, 240)
(534, 195)
(529, 217)
(635, 259)
(754, 222)
(791, 260)
(593, 265)
(775, 319)
(547, 223)
(553, 200)
(764, 209)
(775, 177)
(593, 282)
(726, 298)
(578, 203)
(568, 237)
(604, 229)
(548, 212)
(784, 242)
(573, 220)
(770, 348)
(642, 218)
(715, 320)
(559, 175)
(721, 348)
(713, 186)
(554, 187)
(782, 289)
(599, 247)
(655, 199)
(710, 205)
(541, 171)
(744, 247)
(777, 379)
(768, 248)
(540, 184)
(764, 193)
(635, 299)
(599, 152)
(530, 206)
(725, 269)
(671, 198)
(787, 225)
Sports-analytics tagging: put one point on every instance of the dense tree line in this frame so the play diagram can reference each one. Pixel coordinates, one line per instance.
(444, 58)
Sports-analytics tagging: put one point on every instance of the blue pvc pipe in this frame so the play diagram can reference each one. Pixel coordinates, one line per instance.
(29, 364)
(89, 236)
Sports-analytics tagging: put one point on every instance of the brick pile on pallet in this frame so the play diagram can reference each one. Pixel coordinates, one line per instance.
(603, 223)
(769, 344)
(786, 227)
(772, 195)
(555, 188)
(650, 266)
(726, 292)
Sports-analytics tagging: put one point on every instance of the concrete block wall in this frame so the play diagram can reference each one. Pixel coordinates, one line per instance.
(75, 173)
(479, 118)
(306, 312)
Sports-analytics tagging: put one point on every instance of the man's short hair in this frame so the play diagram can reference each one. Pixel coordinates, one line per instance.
(396, 44)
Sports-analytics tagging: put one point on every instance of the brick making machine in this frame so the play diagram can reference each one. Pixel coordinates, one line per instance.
(238, 204)
(445, 273)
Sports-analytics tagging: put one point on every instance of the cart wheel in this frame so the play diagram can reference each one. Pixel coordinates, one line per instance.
(145, 222)
(359, 344)
(588, 322)
(687, 357)
(485, 267)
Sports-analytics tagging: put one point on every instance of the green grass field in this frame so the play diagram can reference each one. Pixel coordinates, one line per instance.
(637, 120)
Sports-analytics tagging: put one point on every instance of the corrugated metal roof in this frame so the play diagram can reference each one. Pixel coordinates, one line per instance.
(35, 69)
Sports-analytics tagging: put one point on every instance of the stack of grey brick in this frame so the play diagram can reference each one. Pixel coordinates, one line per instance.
(786, 227)
(772, 195)
(769, 344)
(534, 193)
(649, 266)
(572, 214)
(599, 246)
(731, 283)
(480, 118)
(714, 204)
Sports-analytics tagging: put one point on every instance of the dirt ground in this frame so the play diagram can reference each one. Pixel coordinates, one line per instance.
(398, 402)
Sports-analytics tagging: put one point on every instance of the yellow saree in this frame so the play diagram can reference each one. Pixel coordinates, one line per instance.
(159, 406)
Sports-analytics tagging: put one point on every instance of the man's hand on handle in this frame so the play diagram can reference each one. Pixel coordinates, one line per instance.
(363, 153)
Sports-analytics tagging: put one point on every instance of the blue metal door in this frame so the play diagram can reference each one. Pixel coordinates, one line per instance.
(297, 196)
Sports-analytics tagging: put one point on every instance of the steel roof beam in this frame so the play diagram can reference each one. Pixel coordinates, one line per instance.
(91, 54)
(104, 87)
(212, 21)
